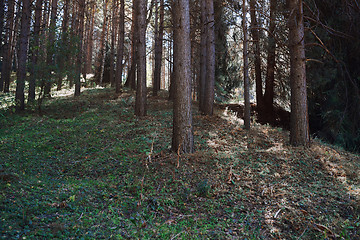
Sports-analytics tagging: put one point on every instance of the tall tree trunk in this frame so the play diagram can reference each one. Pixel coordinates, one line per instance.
(140, 103)
(101, 58)
(299, 123)
(159, 33)
(210, 59)
(2, 19)
(131, 78)
(7, 59)
(120, 53)
(90, 41)
(50, 61)
(35, 54)
(64, 42)
(79, 55)
(270, 70)
(202, 77)
(112, 44)
(246, 71)
(23, 50)
(257, 62)
(183, 140)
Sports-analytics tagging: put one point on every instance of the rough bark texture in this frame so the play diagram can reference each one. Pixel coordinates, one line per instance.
(159, 32)
(112, 46)
(120, 52)
(183, 140)
(210, 59)
(7, 59)
(34, 59)
(23, 50)
(246, 71)
(2, 12)
(140, 103)
(257, 60)
(299, 124)
(79, 55)
(202, 77)
(101, 57)
(270, 70)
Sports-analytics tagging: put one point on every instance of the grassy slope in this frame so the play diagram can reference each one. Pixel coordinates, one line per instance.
(86, 168)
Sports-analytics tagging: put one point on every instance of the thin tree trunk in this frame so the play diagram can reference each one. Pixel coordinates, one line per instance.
(158, 50)
(23, 50)
(299, 123)
(112, 46)
(202, 81)
(36, 44)
(120, 53)
(79, 56)
(131, 79)
(90, 41)
(101, 58)
(257, 62)
(64, 41)
(210, 59)
(246, 71)
(50, 61)
(140, 103)
(7, 60)
(2, 19)
(183, 140)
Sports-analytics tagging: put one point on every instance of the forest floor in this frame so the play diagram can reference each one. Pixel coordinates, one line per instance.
(88, 168)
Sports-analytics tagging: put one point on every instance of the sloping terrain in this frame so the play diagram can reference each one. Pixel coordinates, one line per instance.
(87, 167)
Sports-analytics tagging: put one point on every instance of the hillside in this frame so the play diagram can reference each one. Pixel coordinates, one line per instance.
(87, 167)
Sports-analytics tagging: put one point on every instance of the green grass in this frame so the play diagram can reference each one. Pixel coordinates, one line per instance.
(81, 171)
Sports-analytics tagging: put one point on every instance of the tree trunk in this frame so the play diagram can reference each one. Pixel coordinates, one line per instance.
(159, 32)
(101, 58)
(183, 140)
(299, 124)
(120, 52)
(23, 50)
(79, 55)
(202, 78)
(64, 42)
(2, 19)
(50, 61)
(7, 59)
(140, 103)
(246, 71)
(257, 62)
(210, 59)
(270, 70)
(112, 46)
(131, 79)
(35, 53)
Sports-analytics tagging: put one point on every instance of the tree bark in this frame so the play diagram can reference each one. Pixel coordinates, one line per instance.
(79, 55)
(299, 123)
(23, 50)
(257, 62)
(202, 77)
(64, 42)
(159, 33)
(270, 70)
(131, 78)
(7, 59)
(35, 54)
(246, 71)
(210, 59)
(2, 19)
(50, 61)
(183, 140)
(140, 102)
(101, 58)
(120, 52)
(112, 46)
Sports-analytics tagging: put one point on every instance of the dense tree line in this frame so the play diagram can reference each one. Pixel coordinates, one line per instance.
(202, 52)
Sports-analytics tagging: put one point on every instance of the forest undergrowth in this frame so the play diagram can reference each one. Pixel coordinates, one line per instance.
(88, 168)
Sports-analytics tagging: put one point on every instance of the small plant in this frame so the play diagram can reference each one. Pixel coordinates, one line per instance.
(203, 188)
